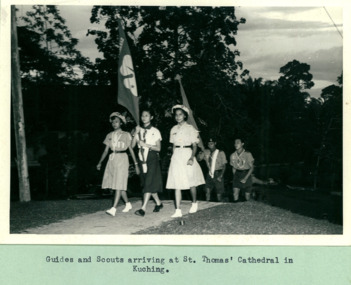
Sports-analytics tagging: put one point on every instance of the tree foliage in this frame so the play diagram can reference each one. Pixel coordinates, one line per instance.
(48, 52)
(197, 43)
(280, 121)
(297, 74)
(166, 41)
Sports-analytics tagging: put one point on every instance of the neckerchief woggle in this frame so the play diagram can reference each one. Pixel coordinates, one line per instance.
(144, 151)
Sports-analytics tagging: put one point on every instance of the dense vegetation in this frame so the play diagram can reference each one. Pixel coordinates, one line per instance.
(281, 122)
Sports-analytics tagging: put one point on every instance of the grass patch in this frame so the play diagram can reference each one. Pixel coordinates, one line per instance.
(39, 213)
(249, 218)
(241, 218)
(308, 203)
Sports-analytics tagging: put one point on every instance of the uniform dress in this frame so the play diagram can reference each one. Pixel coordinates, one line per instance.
(242, 163)
(180, 175)
(116, 171)
(150, 176)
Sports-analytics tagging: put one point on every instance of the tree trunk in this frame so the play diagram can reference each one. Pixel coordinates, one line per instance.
(18, 116)
(316, 172)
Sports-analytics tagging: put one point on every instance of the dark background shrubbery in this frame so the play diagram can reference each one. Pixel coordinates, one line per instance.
(65, 127)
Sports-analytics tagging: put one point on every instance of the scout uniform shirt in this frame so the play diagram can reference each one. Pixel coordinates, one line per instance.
(149, 135)
(220, 161)
(243, 161)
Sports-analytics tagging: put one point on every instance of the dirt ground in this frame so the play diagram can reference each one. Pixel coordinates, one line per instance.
(122, 223)
(251, 217)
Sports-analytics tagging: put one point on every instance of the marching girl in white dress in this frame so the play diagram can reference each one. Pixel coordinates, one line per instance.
(184, 171)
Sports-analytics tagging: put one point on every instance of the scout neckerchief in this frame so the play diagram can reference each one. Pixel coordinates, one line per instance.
(239, 161)
(212, 162)
(115, 139)
(144, 151)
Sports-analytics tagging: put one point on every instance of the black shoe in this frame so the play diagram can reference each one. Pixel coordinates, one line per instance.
(236, 201)
(158, 207)
(140, 212)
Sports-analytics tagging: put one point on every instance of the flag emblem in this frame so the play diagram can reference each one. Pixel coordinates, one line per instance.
(127, 72)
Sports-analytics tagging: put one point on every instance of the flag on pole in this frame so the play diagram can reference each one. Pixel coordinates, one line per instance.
(127, 88)
(191, 119)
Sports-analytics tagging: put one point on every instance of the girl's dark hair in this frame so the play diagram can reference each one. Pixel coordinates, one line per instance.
(241, 139)
(186, 115)
(120, 120)
(150, 111)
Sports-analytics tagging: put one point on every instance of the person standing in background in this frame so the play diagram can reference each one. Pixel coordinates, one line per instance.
(243, 165)
(216, 162)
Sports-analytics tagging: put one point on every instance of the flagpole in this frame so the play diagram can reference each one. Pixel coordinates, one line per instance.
(127, 89)
(191, 118)
(18, 115)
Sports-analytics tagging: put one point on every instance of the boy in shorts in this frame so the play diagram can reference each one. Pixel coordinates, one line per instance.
(243, 165)
(216, 162)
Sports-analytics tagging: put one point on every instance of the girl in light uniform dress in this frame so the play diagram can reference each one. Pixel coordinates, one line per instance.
(116, 171)
(184, 171)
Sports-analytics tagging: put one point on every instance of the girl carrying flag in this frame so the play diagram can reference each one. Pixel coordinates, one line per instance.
(149, 139)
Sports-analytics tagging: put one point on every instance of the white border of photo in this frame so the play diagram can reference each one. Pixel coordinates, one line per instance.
(270, 240)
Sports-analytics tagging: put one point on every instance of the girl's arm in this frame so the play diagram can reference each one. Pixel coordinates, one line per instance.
(156, 147)
(98, 166)
(191, 159)
(135, 137)
(134, 159)
(134, 140)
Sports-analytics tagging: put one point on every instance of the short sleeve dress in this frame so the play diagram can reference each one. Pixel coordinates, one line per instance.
(180, 175)
(151, 180)
(116, 171)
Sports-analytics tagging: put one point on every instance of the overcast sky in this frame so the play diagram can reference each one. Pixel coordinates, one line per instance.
(273, 36)
(270, 38)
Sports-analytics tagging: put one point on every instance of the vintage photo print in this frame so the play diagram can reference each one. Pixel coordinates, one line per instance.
(174, 124)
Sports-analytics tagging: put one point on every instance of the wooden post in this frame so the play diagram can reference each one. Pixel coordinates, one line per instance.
(18, 116)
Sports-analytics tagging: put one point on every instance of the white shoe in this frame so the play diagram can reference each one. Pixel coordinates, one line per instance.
(127, 207)
(193, 208)
(177, 213)
(111, 211)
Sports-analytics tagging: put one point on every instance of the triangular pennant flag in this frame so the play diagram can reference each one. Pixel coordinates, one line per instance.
(191, 119)
(127, 88)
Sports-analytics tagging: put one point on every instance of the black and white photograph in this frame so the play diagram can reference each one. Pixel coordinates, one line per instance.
(172, 122)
